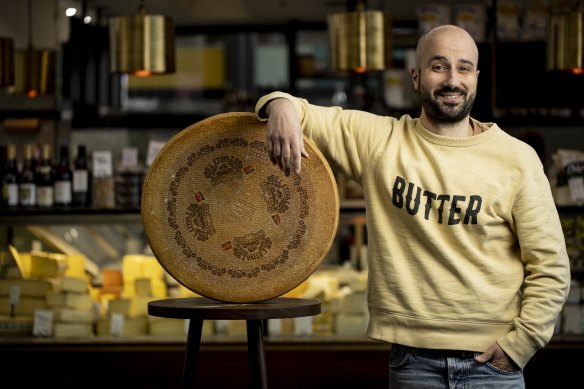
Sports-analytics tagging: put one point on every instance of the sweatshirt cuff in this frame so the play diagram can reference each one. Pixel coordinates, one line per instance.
(519, 347)
(260, 108)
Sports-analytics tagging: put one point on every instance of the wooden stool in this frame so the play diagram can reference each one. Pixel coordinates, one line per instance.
(198, 309)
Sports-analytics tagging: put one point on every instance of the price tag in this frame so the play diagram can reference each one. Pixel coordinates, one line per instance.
(303, 325)
(154, 147)
(130, 156)
(275, 326)
(102, 163)
(117, 324)
(576, 185)
(43, 323)
(221, 326)
(14, 294)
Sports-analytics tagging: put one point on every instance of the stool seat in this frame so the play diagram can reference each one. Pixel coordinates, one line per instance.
(198, 309)
(208, 309)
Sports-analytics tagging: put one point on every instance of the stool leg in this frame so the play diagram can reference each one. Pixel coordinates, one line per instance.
(257, 361)
(191, 353)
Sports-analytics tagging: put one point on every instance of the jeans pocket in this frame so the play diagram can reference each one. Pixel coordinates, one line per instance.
(501, 371)
(398, 357)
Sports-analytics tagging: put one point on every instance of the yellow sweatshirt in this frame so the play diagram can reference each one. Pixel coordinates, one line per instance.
(465, 243)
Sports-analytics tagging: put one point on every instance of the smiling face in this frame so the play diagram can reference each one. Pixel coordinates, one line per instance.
(446, 74)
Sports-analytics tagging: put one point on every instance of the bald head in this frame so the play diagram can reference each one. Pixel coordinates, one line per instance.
(446, 37)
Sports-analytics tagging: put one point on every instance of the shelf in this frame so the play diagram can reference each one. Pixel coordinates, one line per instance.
(68, 215)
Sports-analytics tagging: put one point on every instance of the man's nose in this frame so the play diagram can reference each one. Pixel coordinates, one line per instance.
(452, 78)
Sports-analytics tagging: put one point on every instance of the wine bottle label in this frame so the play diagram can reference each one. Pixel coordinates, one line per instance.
(27, 192)
(11, 195)
(45, 196)
(80, 181)
(63, 193)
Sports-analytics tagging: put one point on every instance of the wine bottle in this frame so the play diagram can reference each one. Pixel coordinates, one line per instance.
(81, 179)
(45, 179)
(63, 179)
(27, 182)
(10, 178)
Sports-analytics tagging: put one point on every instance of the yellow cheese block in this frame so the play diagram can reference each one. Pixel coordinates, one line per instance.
(131, 327)
(162, 326)
(143, 287)
(70, 300)
(28, 288)
(139, 306)
(152, 268)
(74, 285)
(26, 306)
(47, 264)
(159, 290)
(22, 261)
(237, 328)
(121, 306)
(132, 268)
(68, 315)
(73, 330)
(76, 265)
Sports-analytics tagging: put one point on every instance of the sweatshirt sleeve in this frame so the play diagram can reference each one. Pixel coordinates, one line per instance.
(347, 138)
(546, 264)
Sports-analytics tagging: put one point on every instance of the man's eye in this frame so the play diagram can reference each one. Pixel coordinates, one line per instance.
(438, 68)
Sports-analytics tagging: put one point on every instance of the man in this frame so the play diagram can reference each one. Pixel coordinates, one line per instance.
(468, 269)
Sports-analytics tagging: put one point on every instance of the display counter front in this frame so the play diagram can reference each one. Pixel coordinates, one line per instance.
(292, 362)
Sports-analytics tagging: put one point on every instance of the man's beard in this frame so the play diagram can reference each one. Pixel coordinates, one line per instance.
(443, 112)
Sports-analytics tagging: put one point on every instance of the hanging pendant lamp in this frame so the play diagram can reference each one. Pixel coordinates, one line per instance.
(360, 40)
(565, 40)
(6, 62)
(38, 67)
(142, 44)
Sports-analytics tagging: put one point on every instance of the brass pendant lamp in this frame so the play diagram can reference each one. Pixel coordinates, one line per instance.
(565, 38)
(142, 44)
(38, 67)
(6, 62)
(360, 40)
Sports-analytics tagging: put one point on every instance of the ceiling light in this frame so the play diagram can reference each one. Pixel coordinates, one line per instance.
(565, 36)
(142, 44)
(360, 40)
(37, 77)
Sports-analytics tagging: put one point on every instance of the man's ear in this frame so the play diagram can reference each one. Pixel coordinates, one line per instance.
(415, 77)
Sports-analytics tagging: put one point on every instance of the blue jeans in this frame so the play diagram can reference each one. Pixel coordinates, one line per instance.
(414, 368)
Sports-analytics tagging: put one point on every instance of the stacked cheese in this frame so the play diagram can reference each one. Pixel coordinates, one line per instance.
(127, 313)
(71, 303)
(19, 299)
(342, 293)
(73, 309)
(55, 287)
(123, 318)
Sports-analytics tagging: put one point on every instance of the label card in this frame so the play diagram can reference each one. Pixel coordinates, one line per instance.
(117, 324)
(43, 323)
(154, 147)
(102, 163)
(14, 294)
(130, 156)
(576, 185)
